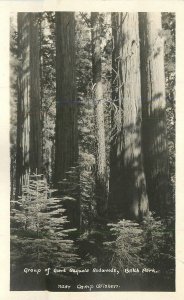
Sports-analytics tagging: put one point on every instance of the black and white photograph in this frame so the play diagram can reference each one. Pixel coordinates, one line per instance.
(92, 151)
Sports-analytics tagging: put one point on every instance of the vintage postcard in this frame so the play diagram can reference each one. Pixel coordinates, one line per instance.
(92, 149)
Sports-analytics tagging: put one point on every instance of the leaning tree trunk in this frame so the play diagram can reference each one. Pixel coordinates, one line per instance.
(101, 169)
(128, 187)
(154, 110)
(28, 107)
(66, 144)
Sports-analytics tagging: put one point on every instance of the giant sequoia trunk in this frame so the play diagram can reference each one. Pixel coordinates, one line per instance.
(66, 105)
(66, 144)
(154, 115)
(28, 107)
(127, 179)
(101, 172)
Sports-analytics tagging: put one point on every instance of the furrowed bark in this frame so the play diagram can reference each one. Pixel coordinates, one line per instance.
(128, 187)
(154, 110)
(101, 168)
(66, 144)
(28, 107)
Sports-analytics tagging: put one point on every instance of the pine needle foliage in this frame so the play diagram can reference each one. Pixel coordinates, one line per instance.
(124, 247)
(158, 248)
(150, 244)
(38, 237)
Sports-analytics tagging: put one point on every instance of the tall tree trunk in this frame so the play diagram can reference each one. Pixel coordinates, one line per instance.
(115, 184)
(154, 114)
(35, 96)
(66, 108)
(128, 185)
(19, 150)
(28, 107)
(66, 145)
(101, 169)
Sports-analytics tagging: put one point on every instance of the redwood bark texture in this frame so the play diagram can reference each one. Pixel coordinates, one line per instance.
(154, 110)
(66, 143)
(35, 103)
(127, 178)
(101, 168)
(28, 108)
(66, 152)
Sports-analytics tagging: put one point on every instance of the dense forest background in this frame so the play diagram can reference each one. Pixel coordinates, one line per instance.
(92, 99)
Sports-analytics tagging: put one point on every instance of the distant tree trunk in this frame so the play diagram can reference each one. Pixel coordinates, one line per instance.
(128, 185)
(35, 96)
(101, 168)
(28, 108)
(66, 145)
(115, 185)
(154, 114)
(19, 150)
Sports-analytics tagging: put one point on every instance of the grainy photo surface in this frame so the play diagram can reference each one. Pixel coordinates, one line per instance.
(92, 137)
